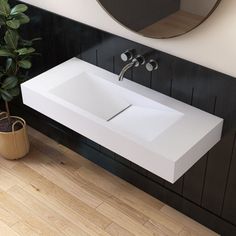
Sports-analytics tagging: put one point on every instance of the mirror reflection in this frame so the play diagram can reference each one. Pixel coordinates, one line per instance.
(160, 18)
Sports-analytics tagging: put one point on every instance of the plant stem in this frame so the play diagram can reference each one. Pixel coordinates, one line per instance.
(8, 112)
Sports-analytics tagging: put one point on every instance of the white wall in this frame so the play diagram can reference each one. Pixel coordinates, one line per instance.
(198, 7)
(213, 44)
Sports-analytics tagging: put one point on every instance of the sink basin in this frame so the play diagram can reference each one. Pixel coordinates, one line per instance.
(159, 133)
(111, 103)
(92, 94)
(150, 122)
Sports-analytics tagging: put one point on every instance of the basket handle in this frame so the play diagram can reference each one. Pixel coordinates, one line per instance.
(15, 123)
(3, 115)
(14, 130)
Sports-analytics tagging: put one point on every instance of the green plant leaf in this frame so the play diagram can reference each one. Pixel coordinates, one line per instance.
(15, 91)
(6, 53)
(25, 51)
(11, 38)
(3, 46)
(2, 21)
(18, 9)
(9, 63)
(4, 8)
(10, 83)
(29, 43)
(36, 54)
(14, 24)
(22, 18)
(6, 96)
(25, 64)
(36, 39)
(26, 43)
(10, 66)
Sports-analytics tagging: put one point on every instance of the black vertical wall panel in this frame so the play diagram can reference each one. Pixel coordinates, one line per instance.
(104, 56)
(195, 175)
(204, 97)
(220, 156)
(229, 208)
(207, 191)
(182, 89)
(163, 77)
(217, 167)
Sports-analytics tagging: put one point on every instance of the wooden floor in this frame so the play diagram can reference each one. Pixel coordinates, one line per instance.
(54, 191)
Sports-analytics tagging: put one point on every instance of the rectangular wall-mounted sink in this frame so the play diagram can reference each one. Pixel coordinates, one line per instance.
(157, 132)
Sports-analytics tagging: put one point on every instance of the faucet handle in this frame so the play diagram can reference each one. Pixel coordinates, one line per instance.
(152, 65)
(139, 60)
(128, 55)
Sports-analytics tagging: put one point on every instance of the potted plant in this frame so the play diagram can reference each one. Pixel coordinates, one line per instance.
(15, 62)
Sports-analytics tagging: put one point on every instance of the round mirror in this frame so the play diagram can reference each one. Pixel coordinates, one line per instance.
(160, 18)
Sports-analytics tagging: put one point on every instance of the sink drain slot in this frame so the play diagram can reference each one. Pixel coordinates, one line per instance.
(119, 113)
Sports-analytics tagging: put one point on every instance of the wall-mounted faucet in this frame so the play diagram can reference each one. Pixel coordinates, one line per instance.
(128, 55)
(136, 62)
(152, 65)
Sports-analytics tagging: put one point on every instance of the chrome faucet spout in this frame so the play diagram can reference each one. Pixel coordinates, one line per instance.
(127, 67)
(136, 62)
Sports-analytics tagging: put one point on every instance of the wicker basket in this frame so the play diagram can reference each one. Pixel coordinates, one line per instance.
(14, 144)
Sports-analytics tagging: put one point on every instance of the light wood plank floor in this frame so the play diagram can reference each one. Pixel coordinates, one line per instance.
(54, 191)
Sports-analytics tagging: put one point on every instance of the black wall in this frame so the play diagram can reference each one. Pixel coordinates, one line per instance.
(207, 192)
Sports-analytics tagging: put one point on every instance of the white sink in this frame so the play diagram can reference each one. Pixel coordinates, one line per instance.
(157, 132)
